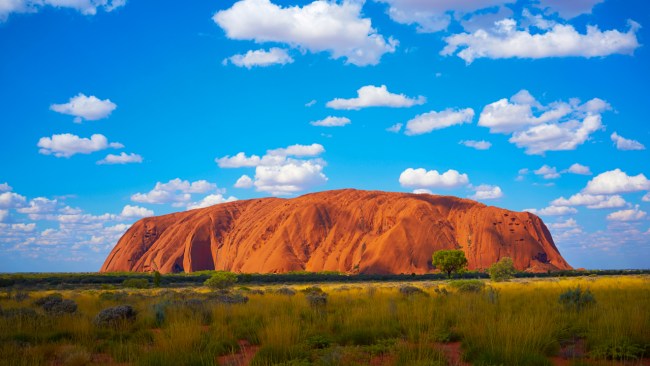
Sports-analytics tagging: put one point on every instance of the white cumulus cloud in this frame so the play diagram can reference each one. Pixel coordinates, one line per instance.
(421, 178)
(5, 187)
(427, 122)
(616, 181)
(538, 128)
(375, 96)
(622, 143)
(579, 169)
(244, 182)
(123, 158)
(260, 58)
(507, 40)
(478, 145)
(87, 108)
(282, 171)
(66, 144)
(553, 211)
(176, 192)
(591, 201)
(211, 200)
(486, 192)
(11, 200)
(321, 26)
(547, 172)
(331, 121)
(135, 212)
(633, 214)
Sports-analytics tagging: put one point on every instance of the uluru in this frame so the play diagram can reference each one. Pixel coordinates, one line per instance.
(351, 231)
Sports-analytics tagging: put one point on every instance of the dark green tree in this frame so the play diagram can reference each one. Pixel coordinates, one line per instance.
(502, 270)
(450, 261)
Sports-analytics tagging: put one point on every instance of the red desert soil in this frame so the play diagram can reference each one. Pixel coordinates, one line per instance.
(347, 230)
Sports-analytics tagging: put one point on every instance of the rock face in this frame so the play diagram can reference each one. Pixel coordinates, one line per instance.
(346, 230)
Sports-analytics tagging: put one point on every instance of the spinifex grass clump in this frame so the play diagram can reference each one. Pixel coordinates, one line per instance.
(408, 290)
(115, 315)
(577, 299)
(468, 285)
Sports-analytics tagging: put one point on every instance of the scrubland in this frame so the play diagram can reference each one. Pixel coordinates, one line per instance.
(520, 322)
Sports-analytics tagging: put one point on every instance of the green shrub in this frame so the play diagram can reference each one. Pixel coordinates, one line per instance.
(135, 283)
(468, 285)
(221, 281)
(577, 299)
(115, 315)
(617, 350)
(502, 270)
(407, 290)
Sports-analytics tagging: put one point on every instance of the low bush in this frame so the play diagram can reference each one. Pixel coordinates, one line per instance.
(221, 281)
(285, 291)
(316, 299)
(576, 299)
(468, 285)
(115, 315)
(60, 307)
(408, 290)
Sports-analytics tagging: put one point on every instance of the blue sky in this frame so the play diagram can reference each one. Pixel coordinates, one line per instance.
(116, 110)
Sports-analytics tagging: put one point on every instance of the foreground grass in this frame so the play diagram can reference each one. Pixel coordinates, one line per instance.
(511, 323)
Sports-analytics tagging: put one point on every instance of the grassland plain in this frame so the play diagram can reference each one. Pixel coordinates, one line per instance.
(520, 322)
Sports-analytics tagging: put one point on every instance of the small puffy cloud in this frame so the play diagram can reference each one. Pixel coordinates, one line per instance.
(320, 26)
(244, 182)
(579, 169)
(331, 121)
(175, 192)
(646, 197)
(427, 122)
(11, 200)
(616, 181)
(123, 158)
(567, 224)
(486, 192)
(478, 145)
(395, 128)
(507, 40)
(375, 96)
(238, 161)
(591, 201)
(421, 178)
(5, 187)
(289, 177)
(422, 191)
(210, 200)
(553, 211)
(85, 7)
(633, 214)
(135, 211)
(260, 58)
(434, 16)
(40, 206)
(298, 150)
(281, 171)
(622, 143)
(547, 172)
(538, 128)
(65, 145)
(85, 108)
(311, 103)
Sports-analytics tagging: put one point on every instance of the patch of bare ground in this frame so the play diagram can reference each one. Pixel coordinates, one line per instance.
(242, 358)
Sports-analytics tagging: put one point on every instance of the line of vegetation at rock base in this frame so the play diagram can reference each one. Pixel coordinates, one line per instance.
(584, 320)
(184, 279)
